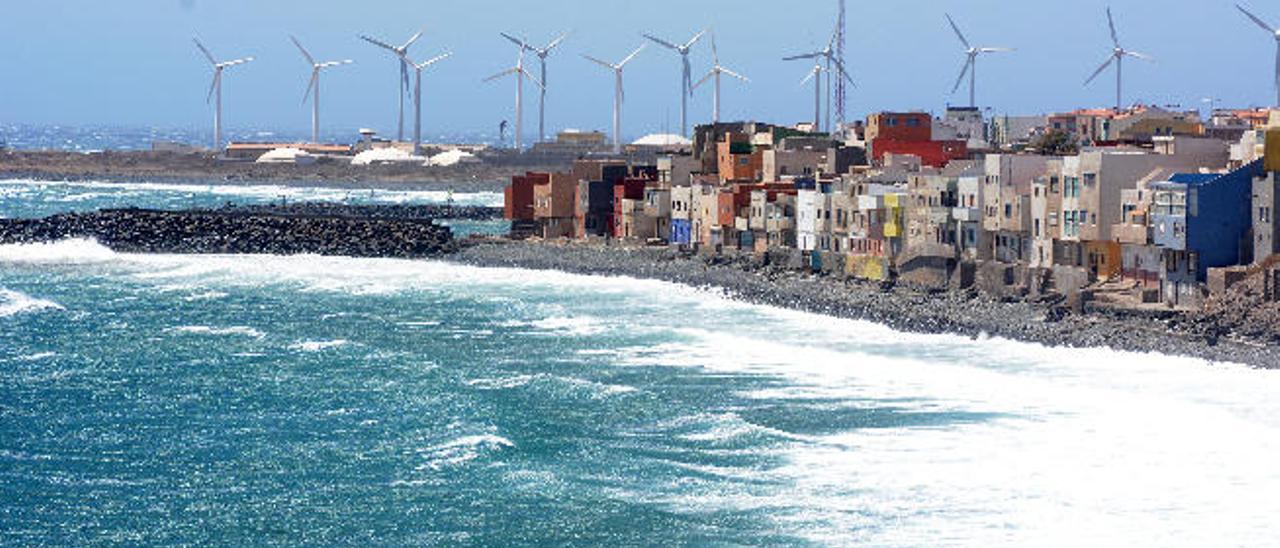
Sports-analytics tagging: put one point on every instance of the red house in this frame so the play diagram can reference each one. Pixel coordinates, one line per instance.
(518, 196)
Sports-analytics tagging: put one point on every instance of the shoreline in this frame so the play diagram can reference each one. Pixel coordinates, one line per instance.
(966, 313)
(194, 169)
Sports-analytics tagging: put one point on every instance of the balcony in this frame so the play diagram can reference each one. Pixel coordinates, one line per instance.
(966, 214)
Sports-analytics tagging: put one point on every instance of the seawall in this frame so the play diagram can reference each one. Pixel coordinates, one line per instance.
(322, 229)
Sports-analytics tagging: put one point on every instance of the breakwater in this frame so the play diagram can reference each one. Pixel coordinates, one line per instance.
(322, 229)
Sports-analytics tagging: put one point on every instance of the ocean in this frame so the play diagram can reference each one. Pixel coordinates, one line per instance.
(167, 399)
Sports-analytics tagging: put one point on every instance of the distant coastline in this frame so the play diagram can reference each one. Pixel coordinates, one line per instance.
(172, 167)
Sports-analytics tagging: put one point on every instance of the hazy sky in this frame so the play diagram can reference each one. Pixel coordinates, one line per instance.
(131, 62)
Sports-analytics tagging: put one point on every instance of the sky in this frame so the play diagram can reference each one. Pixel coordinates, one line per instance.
(132, 62)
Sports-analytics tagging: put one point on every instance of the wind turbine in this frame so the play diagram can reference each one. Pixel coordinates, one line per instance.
(686, 74)
(402, 83)
(417, 96)
(971, 64)
(215, 90)
(313, 88)
(816, 75)
(520, 74)
(618, 94)
(542, 54)
(716, 70)
(1117, 56)
(833, 65)
(1275, 33)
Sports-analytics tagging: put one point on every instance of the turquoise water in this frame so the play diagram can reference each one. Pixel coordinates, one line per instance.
(253, 399)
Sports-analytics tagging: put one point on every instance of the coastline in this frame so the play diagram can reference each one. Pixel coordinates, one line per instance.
(194, 169)
(966, 313)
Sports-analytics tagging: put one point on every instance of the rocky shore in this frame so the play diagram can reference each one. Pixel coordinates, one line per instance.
(322, 229)
(970, 313)
(179, 168)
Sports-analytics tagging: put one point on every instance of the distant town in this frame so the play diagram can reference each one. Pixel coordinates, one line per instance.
(1140, 207)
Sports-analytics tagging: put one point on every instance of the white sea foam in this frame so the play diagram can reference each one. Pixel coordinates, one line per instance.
(13, 303)
(318, 346)
(238, 330)
(66, 252)
(553, 383)
(462, 450)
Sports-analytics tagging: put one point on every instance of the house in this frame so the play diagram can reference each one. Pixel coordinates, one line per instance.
(518, 204)
(553, 206)
(1091, 199)
(910, 133)
(1007, 209)
(738, 160)
(813, 218)
(1140, 259)
(682, 211)
(628, 208)
(1046, 205)
(1201, 221)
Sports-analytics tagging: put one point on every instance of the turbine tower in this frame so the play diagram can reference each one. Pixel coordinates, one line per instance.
(971, 64)
(215, 90)
(313, 88)
(542, 54)
(1275, 33)
(816, 75)
(686, 74)
(417, 96)
(520, 74)
(1117, 56)
(716, 70)
(834, 64)
(402, 83)
(618, 94)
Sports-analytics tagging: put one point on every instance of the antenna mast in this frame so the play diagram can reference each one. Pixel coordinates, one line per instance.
(840, 82)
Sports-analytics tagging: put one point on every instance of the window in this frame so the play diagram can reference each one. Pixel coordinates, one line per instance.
(1008, 211)
(1090, 179)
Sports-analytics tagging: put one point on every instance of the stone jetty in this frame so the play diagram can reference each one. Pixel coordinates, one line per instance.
(322, 229)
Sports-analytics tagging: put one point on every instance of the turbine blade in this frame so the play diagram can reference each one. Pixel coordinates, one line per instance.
(840, 67)
(995, 50)
(964, 71)
(412, 40)
(379, 43)
(734, 74)
(305, 54)
(404, 71)
(434, 60)
(1143, 56)
(598, 62)
(695, 39)
(332, 64)
(533, 79)
(959, 34)
(704, 80)
(555, 43)
(501, 74)
(632, 56)
(1256, 19)
(236, 62)
(514, 40)
(1100, 69)
(715, 53)
(1111, 22)
(803, 56)
(217, 75)
(205, 51)
(661, 42)
(810, 76)
(315, 75)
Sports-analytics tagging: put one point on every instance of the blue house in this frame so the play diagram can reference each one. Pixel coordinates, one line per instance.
(681, 232)
(1201, 221)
